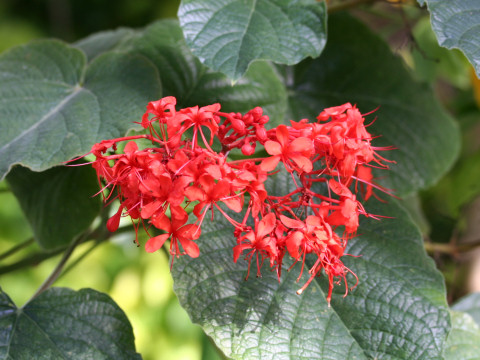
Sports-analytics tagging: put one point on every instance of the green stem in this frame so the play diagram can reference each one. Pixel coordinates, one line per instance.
(17, 248)
(58, 269)
(34, 259)
(79, 259)
(31, 260)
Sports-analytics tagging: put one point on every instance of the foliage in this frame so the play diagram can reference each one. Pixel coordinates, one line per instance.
(59, 99)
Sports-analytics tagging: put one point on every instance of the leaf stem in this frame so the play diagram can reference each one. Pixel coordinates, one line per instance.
(17, 248)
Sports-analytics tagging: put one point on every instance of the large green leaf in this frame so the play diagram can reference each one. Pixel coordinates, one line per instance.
(358, 67)
(464, 340)
(184, 77)
(59, 203)
(53, 106)
(228, 35)
(457, 25)
(471, 305)
(397, 311)
(64, 324)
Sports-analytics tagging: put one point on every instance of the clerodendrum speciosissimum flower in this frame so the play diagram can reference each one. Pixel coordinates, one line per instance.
(178, 170)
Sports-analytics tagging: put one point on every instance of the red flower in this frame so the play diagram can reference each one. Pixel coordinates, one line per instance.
(335, 151)
(259, 242)
(178, 231)
(294, 154)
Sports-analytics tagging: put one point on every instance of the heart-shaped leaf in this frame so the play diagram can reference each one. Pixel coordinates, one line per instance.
(464, 340)
(228, 35)
(64, 324)
(457, 25)
(58, 203)
(358, 67)
(54, 107)
(398, 310)
(184, 77)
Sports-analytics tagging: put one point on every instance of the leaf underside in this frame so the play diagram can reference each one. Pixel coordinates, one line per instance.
(457, 25)
(228, 35)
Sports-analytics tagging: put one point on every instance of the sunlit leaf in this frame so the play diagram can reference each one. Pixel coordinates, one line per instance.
(457, 25)
(464, 339)
(471, 305)
(54, 106)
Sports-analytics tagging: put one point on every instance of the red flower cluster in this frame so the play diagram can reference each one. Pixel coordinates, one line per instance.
(156, 184)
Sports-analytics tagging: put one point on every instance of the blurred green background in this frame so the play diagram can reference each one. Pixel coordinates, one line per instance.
(141, 283)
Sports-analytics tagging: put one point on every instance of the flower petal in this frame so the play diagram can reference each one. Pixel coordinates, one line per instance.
(273, 147)
(155, 243)
(270, 163)
(266, 225)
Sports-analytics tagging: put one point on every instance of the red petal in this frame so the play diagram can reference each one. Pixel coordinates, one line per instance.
(339, 188)
(162, 222)
(293, 243)
(301, 145)
(238, 249)
(302, 162)
(235, 203)
(269, 164)
(193, 193)
(189, 232)
(179, 217)
(190, 247)
(149, 209)
(114, 221)
(282, 135)
(291, 223)
(266, 225)
(273, 147)
(156, 243)
(130, 147)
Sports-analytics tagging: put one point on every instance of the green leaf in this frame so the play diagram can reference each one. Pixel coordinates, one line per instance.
(397, 311)
(432, 61)
(228, 35)
(457, 25)
(471, 305)
(358, 67)
(464, 340)
(64, 324)
(184, 77)
(59, 203)
(54, 107)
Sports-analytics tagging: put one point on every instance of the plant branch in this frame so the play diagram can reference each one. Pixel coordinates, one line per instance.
(32, 260)
(17, 248)
(80, 258)
(347, 5)
(58, 269)
(36, 258)
(451, 249)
